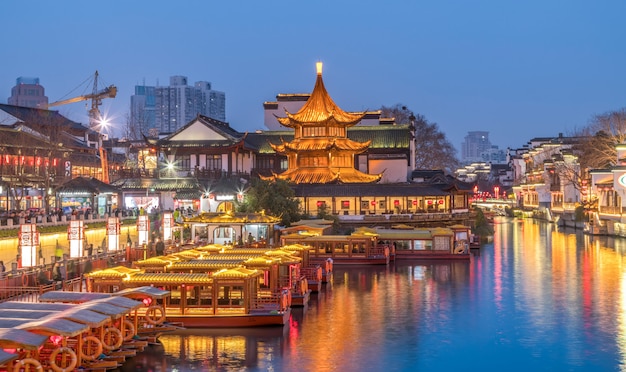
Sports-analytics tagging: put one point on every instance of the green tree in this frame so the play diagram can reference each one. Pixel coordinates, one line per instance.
(432, 148)
(276, 198)
(482, 227)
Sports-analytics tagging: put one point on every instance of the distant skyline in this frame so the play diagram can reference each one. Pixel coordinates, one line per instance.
(516, 70)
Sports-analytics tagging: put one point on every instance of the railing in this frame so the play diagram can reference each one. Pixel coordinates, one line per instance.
(610, 210)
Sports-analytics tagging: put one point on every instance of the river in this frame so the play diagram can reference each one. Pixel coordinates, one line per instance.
(533, 299)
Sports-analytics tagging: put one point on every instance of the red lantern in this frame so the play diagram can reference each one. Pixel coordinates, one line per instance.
(373, 202)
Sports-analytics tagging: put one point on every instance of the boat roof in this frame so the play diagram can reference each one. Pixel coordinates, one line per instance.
(143, 292)
(7, 357)
(84, 316)
(72, 297)
(13, 338)
(170, 279)
(55, 326)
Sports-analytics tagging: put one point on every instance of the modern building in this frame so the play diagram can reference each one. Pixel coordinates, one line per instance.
(27, 92)
(476, 142)
(166, 109)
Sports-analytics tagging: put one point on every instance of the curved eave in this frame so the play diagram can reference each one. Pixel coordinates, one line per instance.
(320, 144)
(320, 108)
(327, 175)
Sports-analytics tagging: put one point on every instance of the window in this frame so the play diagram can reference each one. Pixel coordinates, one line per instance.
(183, 162)
(381, 204)
(342, 161)
(313, 132)
(213, 162)
(365, 204)
(313, 161)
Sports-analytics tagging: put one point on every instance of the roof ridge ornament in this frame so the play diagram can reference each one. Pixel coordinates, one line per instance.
(318, 67)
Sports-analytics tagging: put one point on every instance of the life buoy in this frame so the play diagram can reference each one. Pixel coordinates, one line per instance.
(151, 315)
(33, 363)
(64, 350)
(116, 334)
(24, 280)
(93, 347)
(459, 248)
(129, 330)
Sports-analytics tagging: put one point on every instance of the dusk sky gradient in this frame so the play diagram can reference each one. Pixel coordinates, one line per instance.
(517, 69)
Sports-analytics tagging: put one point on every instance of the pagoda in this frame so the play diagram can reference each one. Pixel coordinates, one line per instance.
(321, 152)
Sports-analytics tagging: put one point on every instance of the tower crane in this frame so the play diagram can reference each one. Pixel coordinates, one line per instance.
(95, 119)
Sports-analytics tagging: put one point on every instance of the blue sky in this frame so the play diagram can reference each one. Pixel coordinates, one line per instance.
(517, 69)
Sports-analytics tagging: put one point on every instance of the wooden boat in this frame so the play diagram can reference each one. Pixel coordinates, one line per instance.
(450, 243)
(281, 268)
(225, 298)
(355, 249)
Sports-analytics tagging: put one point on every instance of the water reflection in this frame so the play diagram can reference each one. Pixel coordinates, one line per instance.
(535, 298)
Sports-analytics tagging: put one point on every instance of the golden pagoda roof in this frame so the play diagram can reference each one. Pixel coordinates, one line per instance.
(321, 144)
(320, 108)
(327, 175)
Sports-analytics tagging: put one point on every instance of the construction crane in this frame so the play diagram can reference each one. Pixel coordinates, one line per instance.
(95, 118)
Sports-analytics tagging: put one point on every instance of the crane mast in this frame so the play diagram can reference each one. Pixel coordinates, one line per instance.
(95, 118)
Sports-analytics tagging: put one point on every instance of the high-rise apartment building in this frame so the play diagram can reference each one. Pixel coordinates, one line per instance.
(28, 93)
(475, 144)
(166, 109)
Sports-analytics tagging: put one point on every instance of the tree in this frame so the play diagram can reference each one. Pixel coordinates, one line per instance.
(276, 198)
(432, 148)
(596, 147)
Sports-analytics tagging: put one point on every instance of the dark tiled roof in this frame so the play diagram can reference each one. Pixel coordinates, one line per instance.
(381, 137)
(87, 185)
(178, 184)
(30, 115)
(218, 126)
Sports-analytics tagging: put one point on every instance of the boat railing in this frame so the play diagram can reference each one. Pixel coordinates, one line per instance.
(313, 273)
(278, 301)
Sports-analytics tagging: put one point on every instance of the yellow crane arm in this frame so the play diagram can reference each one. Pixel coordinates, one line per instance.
(108, 92)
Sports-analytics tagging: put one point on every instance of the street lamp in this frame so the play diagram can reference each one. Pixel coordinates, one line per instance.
(496, 191)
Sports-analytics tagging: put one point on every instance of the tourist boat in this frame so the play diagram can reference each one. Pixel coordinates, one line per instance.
(72, 337)
(380, 245)
(225, 298)
(281, 268)
(450, 243)
(359, 248)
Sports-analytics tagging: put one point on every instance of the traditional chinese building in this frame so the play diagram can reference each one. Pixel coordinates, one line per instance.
(321, 151)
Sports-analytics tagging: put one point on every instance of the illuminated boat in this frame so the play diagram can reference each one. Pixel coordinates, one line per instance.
(225, 298)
